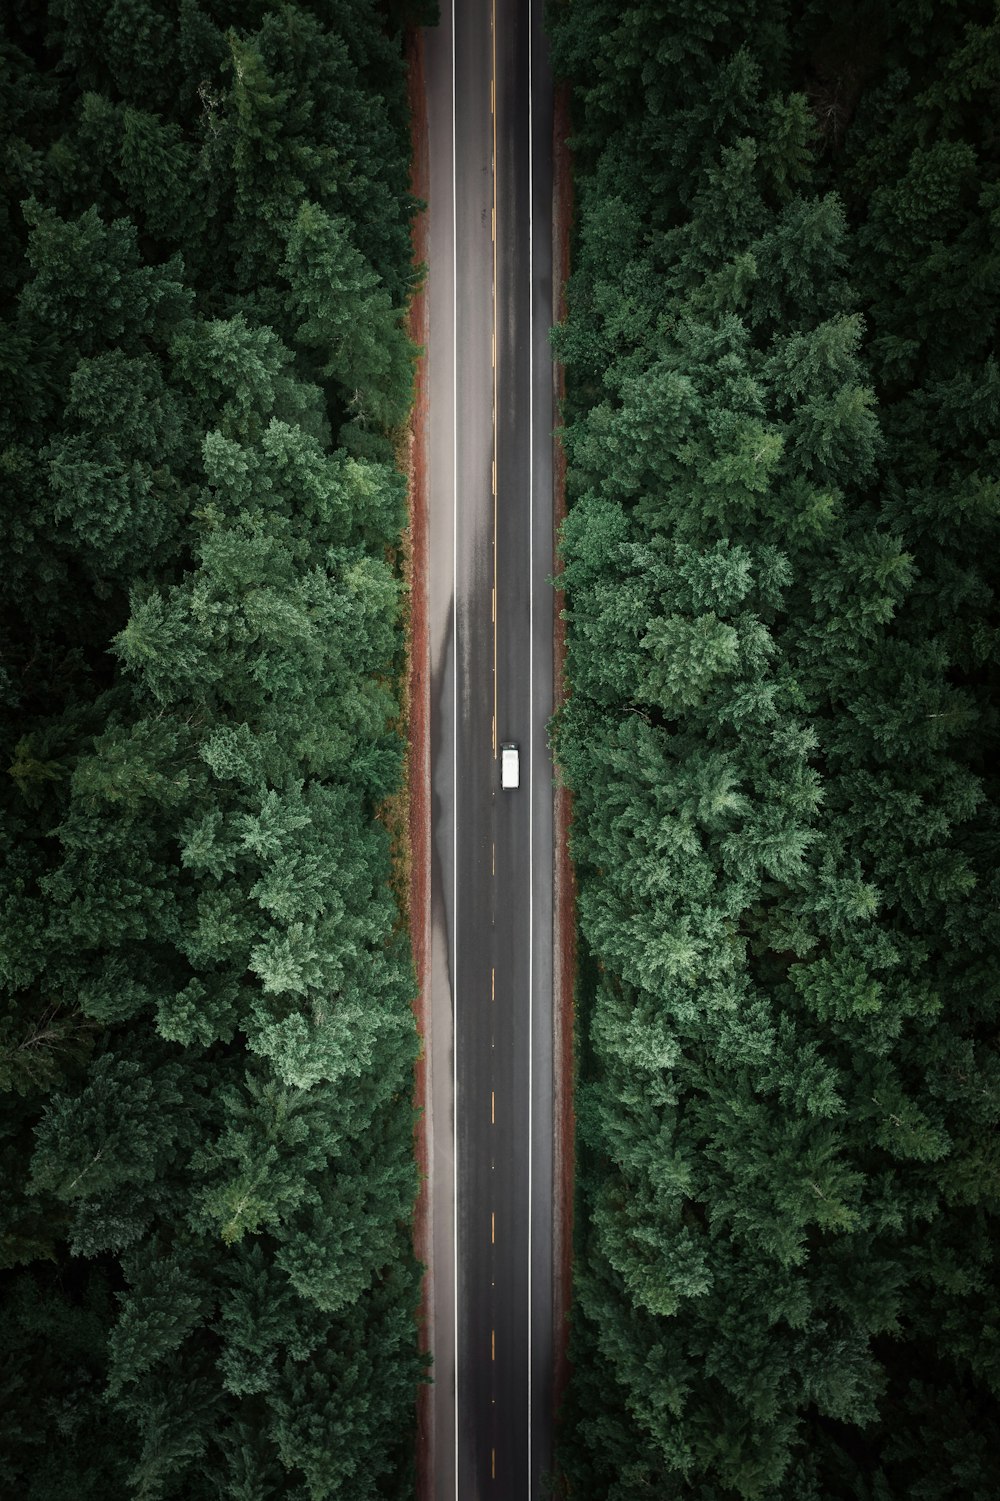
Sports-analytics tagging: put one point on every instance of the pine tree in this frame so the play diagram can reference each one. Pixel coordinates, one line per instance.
(780, 738)
(206, 1045)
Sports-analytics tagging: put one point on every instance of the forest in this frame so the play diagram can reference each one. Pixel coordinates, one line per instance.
(206, 1039)
(779, 573)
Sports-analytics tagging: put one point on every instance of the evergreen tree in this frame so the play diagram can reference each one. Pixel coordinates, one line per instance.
(206, 1042)
(781, 740)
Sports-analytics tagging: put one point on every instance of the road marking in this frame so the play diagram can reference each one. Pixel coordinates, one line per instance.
(454, 732)
(493, 1228)
(493, 1344)
(493, 109)
(493, 1464)
(531, 682)
(493, 984)
(493, 1107)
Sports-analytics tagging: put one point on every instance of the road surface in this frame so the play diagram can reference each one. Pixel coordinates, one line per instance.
(491, 416)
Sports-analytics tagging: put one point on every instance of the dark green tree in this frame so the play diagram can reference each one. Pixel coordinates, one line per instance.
(206, 1045)
(779, 580)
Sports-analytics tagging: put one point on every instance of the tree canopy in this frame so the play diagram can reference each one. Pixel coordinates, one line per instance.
(779, 576)
(206, 1042)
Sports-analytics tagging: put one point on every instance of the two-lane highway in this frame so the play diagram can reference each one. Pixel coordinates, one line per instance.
(491, 616)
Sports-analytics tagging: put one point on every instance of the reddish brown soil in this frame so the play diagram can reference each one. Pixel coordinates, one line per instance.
(418, 766)
(564, 967)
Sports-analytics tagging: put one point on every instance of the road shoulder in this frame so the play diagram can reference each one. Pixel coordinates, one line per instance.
(564, 905)
(419, 750)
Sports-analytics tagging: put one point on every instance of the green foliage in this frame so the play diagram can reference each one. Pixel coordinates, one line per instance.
(206, 1041)
(347, 319)
(779, 580)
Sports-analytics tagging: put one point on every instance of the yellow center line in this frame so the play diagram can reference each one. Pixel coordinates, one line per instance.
(493, 1107)
(493, 1228)
(493, 1464)
(493, 984)
(493, 111)
(493, 1344)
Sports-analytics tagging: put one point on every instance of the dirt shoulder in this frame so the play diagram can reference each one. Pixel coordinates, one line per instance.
(564, 958)
(418, 761)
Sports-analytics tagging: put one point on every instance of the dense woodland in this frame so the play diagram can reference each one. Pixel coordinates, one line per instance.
(780, 570)
(206, 1042)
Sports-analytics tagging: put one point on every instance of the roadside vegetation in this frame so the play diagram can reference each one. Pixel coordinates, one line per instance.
(780, 568)
(206, 1043)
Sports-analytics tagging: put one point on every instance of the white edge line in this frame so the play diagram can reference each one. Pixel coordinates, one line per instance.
(531, 690)
(454, 731)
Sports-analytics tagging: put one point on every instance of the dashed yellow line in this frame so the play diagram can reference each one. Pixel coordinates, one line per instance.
(493, 112)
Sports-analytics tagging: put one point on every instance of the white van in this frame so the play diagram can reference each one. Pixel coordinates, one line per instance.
(510, 773)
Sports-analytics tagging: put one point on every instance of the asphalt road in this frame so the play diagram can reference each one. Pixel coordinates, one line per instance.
(491, 616)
